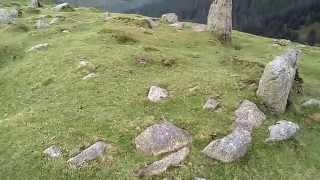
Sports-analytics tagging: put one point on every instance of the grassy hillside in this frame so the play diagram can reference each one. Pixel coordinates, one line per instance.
(44, 100)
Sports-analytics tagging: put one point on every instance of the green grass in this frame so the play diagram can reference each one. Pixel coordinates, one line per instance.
(45, 102)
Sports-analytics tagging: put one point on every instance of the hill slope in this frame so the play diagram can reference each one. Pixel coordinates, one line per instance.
(44, 100)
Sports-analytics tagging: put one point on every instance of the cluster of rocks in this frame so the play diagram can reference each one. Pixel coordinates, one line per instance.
(92, 152)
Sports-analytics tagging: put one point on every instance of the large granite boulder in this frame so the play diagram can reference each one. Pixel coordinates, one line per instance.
(169, 18)
(8, 16)
(277, 81)
(282, 130)
(231, 147)
(220, 19)
(93, 152)
(161, 166)
(248, 116)
(162, 138)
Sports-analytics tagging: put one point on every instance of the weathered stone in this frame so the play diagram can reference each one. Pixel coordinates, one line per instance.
(156, 94)
(211, 104)
(53, 151)
(89, 76)
(230, 148)
(282, 130)
(199, 28)
(311, 103)
(161, 166)
(169, 18)
(35, 4)
(178, 25)
(199, 178)
(248, 116)
(162, 138)
(63, 7)
(38, 47)
(277, 81)
(220, 19)
(93, 152)
(8, 16)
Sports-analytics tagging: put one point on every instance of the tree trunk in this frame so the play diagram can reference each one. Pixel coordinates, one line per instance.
(220, 19)
(35, 3)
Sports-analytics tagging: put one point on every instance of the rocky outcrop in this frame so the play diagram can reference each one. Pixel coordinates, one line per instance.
(220, 19)
(162, 138)
(277, 81)
(161, 166)
(282, 130)
(8, 16)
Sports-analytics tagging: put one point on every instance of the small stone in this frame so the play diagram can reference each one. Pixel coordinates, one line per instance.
(161, 166)
(282, 130)
(156, 94)
(169, 18)
(162, 138)
(151, 23)
(230, 148)
(199, 178)
(53, 151)
(311, 103)
(83, 63)
(63, 7)
(178, 25)
(89, 76)
(248, 116)
(211, 104)
(39, 47)
(93, 152)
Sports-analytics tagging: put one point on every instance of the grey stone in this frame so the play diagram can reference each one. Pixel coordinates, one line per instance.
(38, 47)
(282, 130)
(211, 104)
(162, 138)
(161, 166)
(199, 27)
(277, 81)
(91, 153)
(62, 7)
(178, 25)
(220, 19)
(156, 94)
(311, 103)
(248, 116)
(169, 18)
(8, 16)
(53, 151)
(230, 148)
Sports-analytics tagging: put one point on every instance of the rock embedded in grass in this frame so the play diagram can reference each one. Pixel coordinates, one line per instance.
(38, 47)
(8, 16)
(248, 116)
(277, 81)
(89, 76)
(156, 94)
(162, 165)
(53, 151)
(230, 148)
(162, 138)
(178, 25)
(169, 18)
(91, 153)
(313, 103)
(282, 130)
(211, 104)
(63, 7)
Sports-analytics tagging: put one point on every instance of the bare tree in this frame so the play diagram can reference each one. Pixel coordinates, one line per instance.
(220, 19)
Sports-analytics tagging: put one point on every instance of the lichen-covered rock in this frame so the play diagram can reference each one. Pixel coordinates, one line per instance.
(311, 103)
(63, 7)
(282, 130)
(169, 18)
(8, 16)
(156, 94)
(162, 138)
(230, 148)
(53, 151)
(220, 19)
(248, 116)
(211, 104)
(93, 152)
(161, 166)
(277, 81)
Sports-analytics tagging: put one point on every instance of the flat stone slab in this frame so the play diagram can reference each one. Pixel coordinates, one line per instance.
(53, 151)
(282, 130)
(162, 138)
(93, 152)
(230, 148)
(161, 166)
(249, 116)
